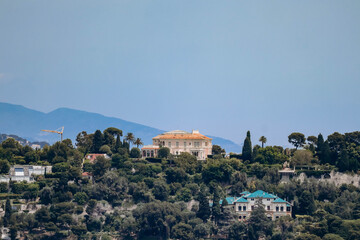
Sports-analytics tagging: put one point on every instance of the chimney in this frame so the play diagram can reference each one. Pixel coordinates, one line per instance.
(195, 131)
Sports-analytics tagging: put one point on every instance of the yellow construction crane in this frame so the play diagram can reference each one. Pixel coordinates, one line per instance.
(58, 131)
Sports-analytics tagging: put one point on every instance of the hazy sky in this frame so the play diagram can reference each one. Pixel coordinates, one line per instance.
(223, 67)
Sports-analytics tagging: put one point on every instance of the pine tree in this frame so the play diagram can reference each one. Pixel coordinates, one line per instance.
(204, 208)
(247, 148)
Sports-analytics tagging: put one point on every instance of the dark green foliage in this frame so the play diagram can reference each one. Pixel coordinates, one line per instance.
(238, 231)
(135, 153)
(81, 198)
(216, 210)
(204, 208)
(79, 230)
(160, 191)
(270, 155)
(306, 203)
(218, 170)
(4, 187)
(157, 218)
(4, 166)
(101, 165)
(97, 141)
(307, 236)
(184, 195)
(216, 149)
(297, 139)
(164, 152)
(182, 231)
(324, 155)
(247, 148)
(176, 175)
(8, 213)
(259, 224)
(93, 225)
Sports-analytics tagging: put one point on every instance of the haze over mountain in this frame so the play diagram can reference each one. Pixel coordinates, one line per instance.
(27, 123)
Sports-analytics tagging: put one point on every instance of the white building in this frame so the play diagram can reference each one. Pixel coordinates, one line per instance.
(275, 207)
(180, 141)
(20, 173)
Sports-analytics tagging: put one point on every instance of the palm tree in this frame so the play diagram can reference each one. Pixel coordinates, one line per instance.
(138, 142)
(130, 138)
(262, 140)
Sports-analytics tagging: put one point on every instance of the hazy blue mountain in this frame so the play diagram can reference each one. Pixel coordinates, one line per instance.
(27, 123)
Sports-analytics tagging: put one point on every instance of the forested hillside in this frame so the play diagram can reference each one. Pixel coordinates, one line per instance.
(178, 197)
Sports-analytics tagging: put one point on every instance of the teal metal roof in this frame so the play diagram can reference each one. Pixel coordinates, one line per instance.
(230, 200)
(260, 193)
(241, 200)
(288, 205)
(279, 200)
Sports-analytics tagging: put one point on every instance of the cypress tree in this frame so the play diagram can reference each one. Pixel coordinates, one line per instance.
(247, 148)
(344, 162)
(117, 143)
(204, 208)
(320, 143)
(97, 141)
(8, 212)
(325, 153)
(216, 210)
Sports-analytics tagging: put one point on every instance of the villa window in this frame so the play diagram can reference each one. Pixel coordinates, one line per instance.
(244, 217)
(281, 209)
(288, 209)
(239, 208)
(244, 208)
(169, 144)
(252, 208)
(252, 199)
(268, 199)
(177, 153)
(240, 217)
(277, 209)
(268, 208)
(206, 144)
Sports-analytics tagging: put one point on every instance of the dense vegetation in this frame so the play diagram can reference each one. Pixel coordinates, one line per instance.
(168, 197)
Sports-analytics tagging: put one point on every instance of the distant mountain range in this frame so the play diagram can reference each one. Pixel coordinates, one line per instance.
(27, 123)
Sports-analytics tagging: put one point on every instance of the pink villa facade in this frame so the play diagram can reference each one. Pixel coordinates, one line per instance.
(180, 141)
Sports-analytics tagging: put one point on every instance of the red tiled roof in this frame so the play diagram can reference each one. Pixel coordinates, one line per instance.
(182, 136)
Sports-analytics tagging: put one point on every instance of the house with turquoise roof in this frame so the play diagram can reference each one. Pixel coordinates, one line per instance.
(275, 207)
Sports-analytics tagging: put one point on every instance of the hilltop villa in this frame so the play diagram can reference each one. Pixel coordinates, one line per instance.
(180, 141)
(275, 207)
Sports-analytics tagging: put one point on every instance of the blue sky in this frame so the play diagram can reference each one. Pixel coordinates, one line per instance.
(223, 67)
